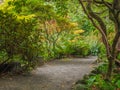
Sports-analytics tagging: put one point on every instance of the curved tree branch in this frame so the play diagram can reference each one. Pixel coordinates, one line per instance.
(98, 27)
(97, 18)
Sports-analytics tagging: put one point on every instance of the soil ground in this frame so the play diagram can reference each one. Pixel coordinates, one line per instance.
(55, 75)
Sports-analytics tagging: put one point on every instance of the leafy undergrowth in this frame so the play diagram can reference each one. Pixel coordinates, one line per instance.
(96, 80)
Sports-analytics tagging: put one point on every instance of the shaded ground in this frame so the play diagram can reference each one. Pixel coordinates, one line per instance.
(55, 75)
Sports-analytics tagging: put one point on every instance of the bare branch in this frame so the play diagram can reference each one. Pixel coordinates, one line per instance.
(97, 18)
(109, 5)
(99, 28)
(115, 41)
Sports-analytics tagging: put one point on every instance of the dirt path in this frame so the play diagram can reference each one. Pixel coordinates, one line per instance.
(55, 75)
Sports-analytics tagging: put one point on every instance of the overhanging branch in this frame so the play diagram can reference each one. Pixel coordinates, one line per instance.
(96, 17)
(98, 27)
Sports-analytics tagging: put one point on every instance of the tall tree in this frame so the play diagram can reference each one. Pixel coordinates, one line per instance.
(111, 9)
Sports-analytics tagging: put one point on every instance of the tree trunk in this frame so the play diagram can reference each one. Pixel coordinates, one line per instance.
(111, 61)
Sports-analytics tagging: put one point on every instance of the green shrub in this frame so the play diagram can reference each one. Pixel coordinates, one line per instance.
(81, 48)
(18, 42)
(95, 80)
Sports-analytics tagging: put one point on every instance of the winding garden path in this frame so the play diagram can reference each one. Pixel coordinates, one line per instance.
(54, 75)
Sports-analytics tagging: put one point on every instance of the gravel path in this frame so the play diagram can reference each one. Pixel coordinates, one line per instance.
(55, 75)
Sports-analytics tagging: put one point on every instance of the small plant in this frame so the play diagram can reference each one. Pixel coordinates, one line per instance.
(96, 80)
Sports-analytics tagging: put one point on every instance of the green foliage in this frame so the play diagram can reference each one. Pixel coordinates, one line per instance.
(118, 56)
(102, 53)
(100, 83)
(81, 49)
(18, 42)
(33, 28)
(96, 80)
